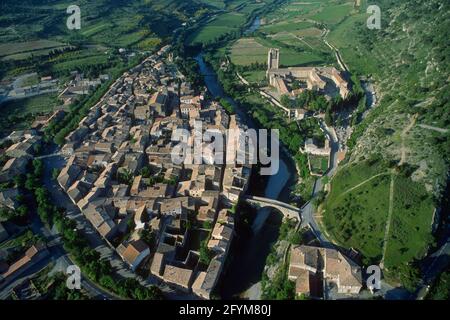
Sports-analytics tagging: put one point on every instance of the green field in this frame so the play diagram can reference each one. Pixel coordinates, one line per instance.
(358, 218)
(19, 47)
(221, 25)
(356, 214)
(345, 38)
(24, 50)
(286, 26)
(296, 28)
(293, 11)
(411, 223)
(254, 76)
(19, 114)
(333, 14)
(319, 164)
(248, 50)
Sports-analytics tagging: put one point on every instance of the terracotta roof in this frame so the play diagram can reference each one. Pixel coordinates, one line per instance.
(302, 284)
(133, 250)
(178, 276)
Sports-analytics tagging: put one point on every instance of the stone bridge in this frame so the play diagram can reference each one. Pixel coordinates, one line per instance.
(56, 154)
(287, 210)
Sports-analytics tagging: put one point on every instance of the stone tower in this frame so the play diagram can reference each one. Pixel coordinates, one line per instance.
(273, 59)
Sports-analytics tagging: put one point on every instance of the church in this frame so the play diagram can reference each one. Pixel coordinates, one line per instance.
(325, 80)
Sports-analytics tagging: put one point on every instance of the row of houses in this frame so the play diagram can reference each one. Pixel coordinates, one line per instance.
(17, 151)
(314, 268)
(122, 177)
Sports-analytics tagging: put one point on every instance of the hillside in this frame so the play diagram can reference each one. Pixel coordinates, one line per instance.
(382, 198)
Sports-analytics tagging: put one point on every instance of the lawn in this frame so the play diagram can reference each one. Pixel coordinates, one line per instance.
(31, 80)
(319, 164)
(254, 76)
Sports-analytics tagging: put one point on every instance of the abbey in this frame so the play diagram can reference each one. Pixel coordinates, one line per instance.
(321, 79)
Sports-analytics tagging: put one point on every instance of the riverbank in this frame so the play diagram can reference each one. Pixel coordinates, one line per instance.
(247, 258)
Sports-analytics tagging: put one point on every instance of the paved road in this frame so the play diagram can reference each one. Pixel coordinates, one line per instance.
(432, 267)
(308, 210)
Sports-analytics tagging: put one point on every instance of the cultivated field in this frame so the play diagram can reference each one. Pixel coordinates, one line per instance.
(248, 50)
(333, 13)
(19, 114)
(16, 50)
(217, 27)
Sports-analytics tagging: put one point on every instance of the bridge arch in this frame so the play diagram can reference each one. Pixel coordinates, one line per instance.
(288, 211)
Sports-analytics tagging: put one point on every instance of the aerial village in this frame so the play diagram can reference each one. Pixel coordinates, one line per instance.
(173, 222)
(153, 212)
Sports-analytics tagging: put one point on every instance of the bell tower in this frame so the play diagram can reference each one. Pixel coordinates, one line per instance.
(273, 59)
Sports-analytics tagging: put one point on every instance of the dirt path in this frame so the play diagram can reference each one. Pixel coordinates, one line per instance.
(440, 130)
(389, 219)
(335, 50)
(403, 136)
(301, 39)
(363, 182)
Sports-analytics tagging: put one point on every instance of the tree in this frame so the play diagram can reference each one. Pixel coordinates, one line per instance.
(207, 224)
(205, 254)
(22, 211)
(149, 237)
(55, 173)
(286, 101)
(295, 238)
(19, 181)
(328, 117)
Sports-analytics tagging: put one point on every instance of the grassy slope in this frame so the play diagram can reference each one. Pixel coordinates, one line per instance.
(398, 57)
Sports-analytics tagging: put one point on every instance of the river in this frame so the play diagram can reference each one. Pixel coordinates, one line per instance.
(249, 253)
(254, 26)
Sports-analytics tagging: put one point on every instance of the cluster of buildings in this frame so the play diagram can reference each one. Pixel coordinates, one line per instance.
(320, 79)
(17, 151)
(155, 213)
(45, 85)
(315, 269)
(79, 85)
(31, 256)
